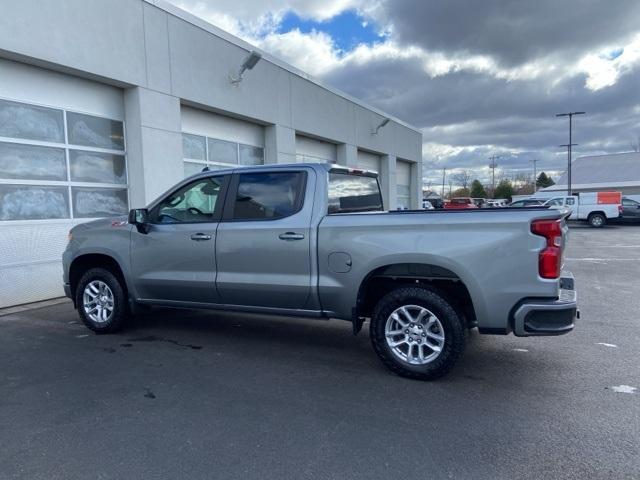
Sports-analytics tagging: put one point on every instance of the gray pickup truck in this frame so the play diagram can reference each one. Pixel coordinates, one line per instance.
(313, 240)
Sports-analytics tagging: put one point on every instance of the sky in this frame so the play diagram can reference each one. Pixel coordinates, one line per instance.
(478, 78)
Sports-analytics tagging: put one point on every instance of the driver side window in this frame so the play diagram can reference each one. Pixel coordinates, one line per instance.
(194, 203)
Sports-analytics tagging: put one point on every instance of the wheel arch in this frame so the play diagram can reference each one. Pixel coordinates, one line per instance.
(86, 261)
(384, 278)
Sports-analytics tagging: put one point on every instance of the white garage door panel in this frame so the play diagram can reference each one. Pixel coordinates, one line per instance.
(403, 173)
(31, 283)
(369, 161)
(46, 177)
(212, 125)
(36, 85)
(31, 261)
(312, 150)
(403, 180)
(32, 242)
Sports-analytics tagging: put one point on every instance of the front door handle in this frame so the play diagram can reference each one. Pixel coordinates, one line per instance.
(291, 236)
(199, 237)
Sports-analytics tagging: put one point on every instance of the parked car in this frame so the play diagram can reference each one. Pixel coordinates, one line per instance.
(313, 240)
(427, 205)
(595, 207)
(630, 211)
(480, 202)
(527, 202)
(460, 203)
(436, 202)
(496, 203)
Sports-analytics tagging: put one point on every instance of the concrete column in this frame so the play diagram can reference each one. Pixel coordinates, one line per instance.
(279, 144)
(154, 143)
(347, 155)
(388, 181)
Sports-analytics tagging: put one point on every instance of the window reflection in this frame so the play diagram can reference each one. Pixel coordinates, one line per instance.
(353, 193)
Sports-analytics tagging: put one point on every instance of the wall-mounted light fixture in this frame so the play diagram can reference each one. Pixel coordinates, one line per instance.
(249, 62)
(382, 124)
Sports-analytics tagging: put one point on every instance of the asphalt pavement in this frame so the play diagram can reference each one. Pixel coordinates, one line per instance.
(185, 394)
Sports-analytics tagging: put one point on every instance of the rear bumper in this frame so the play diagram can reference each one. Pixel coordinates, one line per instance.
(548, 317)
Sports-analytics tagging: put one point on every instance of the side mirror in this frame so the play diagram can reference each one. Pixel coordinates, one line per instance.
(140, 218)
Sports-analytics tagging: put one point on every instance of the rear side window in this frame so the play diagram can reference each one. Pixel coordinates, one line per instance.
(353, 193)
(268, 196)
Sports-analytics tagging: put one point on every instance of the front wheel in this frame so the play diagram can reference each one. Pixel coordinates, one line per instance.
(101, 301)
(417, 333)
(597, 220)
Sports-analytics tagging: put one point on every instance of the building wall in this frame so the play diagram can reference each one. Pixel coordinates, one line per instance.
(162, 73)
(154, 46)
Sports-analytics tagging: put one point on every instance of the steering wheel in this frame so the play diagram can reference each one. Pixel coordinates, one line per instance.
(195, 210)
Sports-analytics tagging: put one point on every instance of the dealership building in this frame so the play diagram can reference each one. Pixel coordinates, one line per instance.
(106, 104)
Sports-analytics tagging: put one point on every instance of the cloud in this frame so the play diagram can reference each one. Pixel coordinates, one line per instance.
(479, 78)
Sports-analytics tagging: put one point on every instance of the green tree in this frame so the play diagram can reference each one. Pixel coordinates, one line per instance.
(460, 192)
(504, 190)
(544, 180)
(477, 190)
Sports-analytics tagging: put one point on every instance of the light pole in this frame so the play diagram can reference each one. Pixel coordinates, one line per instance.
(569, 145)
(535, 174)
(444, 174)
(493, 166)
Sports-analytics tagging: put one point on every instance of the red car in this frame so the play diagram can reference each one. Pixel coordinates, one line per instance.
(460, 202)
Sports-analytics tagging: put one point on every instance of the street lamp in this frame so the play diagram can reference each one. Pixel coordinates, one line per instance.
(569, 145)
(493, 167)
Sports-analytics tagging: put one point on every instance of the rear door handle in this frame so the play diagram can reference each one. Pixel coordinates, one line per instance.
(291, 236)
(199, 237)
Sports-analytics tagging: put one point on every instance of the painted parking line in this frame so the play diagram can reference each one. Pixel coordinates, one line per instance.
(624, 389)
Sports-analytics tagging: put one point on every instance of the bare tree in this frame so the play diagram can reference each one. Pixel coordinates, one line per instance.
(462, 178)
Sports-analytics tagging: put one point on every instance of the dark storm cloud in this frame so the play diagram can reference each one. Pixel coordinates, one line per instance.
(512, 32)
(492, 115)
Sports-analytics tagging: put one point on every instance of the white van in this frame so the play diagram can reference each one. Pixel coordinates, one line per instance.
(594, 207)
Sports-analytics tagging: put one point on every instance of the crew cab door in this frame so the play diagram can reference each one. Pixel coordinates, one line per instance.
(263, 246)
(174, 261)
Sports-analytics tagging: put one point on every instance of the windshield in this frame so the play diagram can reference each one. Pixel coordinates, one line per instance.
(353, 193)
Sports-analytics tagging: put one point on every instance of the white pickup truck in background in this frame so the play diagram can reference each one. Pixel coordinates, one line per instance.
(594, 207)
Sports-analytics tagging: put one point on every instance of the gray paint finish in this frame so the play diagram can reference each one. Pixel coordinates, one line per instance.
(492, 252)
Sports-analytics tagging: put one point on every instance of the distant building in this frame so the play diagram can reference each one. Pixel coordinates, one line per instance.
(619, 172)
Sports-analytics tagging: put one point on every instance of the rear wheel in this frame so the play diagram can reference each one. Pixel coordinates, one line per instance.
(417, 333)
(597, 220)
(101, 301)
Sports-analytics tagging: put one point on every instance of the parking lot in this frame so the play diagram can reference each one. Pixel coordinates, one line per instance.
(186, 394)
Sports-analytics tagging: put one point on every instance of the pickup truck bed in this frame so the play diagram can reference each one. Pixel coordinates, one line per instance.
(313, 240)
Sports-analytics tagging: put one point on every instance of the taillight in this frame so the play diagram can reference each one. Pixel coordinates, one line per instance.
(550, 258)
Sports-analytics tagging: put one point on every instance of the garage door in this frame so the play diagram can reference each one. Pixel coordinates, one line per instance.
(403, 179)
(368, 161)
(315, 151)
(218, 141)
(62, 162)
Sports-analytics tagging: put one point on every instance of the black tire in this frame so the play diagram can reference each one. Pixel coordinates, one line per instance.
(597, 220)
(436, 303)
(120, 313)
